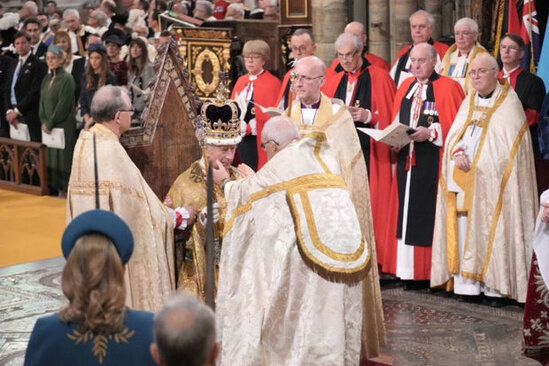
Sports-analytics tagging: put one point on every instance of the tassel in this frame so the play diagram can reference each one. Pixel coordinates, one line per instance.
(407, 166)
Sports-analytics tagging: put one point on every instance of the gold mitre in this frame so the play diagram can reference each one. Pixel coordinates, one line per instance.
(219, 120)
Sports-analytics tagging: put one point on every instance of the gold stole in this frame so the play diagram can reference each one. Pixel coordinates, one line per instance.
(465, 180)
(322, 117)
(446, 62)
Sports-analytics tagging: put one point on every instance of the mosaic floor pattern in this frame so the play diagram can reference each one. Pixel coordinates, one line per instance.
(422, 328)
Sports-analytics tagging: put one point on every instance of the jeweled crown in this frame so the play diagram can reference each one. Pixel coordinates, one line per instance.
(218, 123)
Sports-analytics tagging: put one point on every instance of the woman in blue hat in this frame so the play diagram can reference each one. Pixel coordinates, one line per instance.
(94, 327)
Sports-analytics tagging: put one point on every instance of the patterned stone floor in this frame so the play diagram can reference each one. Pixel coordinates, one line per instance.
(422, 328)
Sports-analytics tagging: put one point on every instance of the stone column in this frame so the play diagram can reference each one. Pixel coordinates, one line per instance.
(329, 19)
(435, 8)
(379, 28)
(400, 25)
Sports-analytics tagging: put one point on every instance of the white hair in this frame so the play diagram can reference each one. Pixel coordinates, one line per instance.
(429, 16)
(473, 26)
(236, 8)
(345, 38)
(33, 8)
(489, 58)
(280, 129)
(71, 11)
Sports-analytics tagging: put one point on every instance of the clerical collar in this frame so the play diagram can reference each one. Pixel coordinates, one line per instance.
(253, 77)
(466, 55)
(315, 105)
(487, 96)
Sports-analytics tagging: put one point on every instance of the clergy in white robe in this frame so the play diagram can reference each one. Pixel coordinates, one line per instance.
(293, 260)
(487, 197)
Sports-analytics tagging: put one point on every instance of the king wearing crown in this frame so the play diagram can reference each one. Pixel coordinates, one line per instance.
(218, 131)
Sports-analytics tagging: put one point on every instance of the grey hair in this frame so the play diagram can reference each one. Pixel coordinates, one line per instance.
(473, 26)
(205, 6)
(345, 38)
(302, 31)
(280, 129)
(100, 16)
(31, 5)
(432, 51)
(71, 11)
(184, 331)
(488, 57)
(106, 102)
(429, 16)
(236, 7)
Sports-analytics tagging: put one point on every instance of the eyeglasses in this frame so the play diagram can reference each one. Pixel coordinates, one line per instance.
(252, 57)
(306, 78)
(126, 110)
(345, 56)
(420, 61)
(479, 72)
(464, 34)
(299, 49)
(263, 144)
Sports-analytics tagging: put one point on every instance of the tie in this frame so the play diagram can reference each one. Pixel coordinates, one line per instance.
(14, 81)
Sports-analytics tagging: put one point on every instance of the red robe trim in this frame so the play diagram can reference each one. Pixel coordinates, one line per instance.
(329, 73)
(383, 91)
(264, 86)
(448, 98)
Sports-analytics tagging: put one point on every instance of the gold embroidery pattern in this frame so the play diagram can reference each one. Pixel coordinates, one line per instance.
(100, 341)
(196, 174)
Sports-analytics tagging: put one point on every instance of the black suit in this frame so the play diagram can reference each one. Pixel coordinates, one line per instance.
(27, 92)
(5, 63)
(41, 51)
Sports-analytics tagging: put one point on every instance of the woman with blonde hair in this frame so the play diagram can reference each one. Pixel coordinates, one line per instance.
(94, 327)
(256, 88)
(97, 74)
(140, 74)
(74, 64)
(56, 110)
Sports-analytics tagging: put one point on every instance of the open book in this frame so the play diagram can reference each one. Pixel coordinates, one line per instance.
(396, 134)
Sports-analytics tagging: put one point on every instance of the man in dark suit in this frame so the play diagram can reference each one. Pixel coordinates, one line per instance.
(5, 63)
(22, 87)
(33, 28)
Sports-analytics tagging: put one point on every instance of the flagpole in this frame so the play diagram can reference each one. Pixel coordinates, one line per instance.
(530, 23)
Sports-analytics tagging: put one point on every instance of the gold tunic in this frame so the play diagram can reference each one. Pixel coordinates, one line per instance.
(189, 190)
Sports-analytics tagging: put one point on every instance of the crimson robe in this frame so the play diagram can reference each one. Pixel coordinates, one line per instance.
(381, 92)
(448, 96)
(263, 95)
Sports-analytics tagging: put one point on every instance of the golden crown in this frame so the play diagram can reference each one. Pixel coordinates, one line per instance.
(218, 123)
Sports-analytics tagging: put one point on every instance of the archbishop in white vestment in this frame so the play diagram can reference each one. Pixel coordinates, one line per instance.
(485, 217)
(292, 264)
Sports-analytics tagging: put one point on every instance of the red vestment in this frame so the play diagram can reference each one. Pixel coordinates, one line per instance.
(448, 96)
(441, 49)
(264, 94)
(382, 91)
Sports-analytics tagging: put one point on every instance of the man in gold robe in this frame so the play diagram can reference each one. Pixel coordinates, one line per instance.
(294, 258)
(313, 111)
(189, 190)
(487, 196)
(150, 273)
(459, 57)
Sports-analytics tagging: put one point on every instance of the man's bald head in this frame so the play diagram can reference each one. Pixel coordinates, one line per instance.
(310, 73)
(277, 133)
(313, 64)
(357, 28)
(484, 73)
(423, 58)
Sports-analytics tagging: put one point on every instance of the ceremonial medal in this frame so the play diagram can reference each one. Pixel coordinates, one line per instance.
(430, 120)
(252, 111)
(357, 103)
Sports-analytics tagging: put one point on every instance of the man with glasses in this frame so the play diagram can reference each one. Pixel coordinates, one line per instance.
(294, 299)
(421, 30)
(487, 196)
(313, 112)
(457, 60)
(357, 28)
(529, 87)
(368, 93)
(428, 104)
(302, 44)
(150, 276)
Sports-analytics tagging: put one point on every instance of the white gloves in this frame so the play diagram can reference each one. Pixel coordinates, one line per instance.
(180, 217)
(203, 216)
